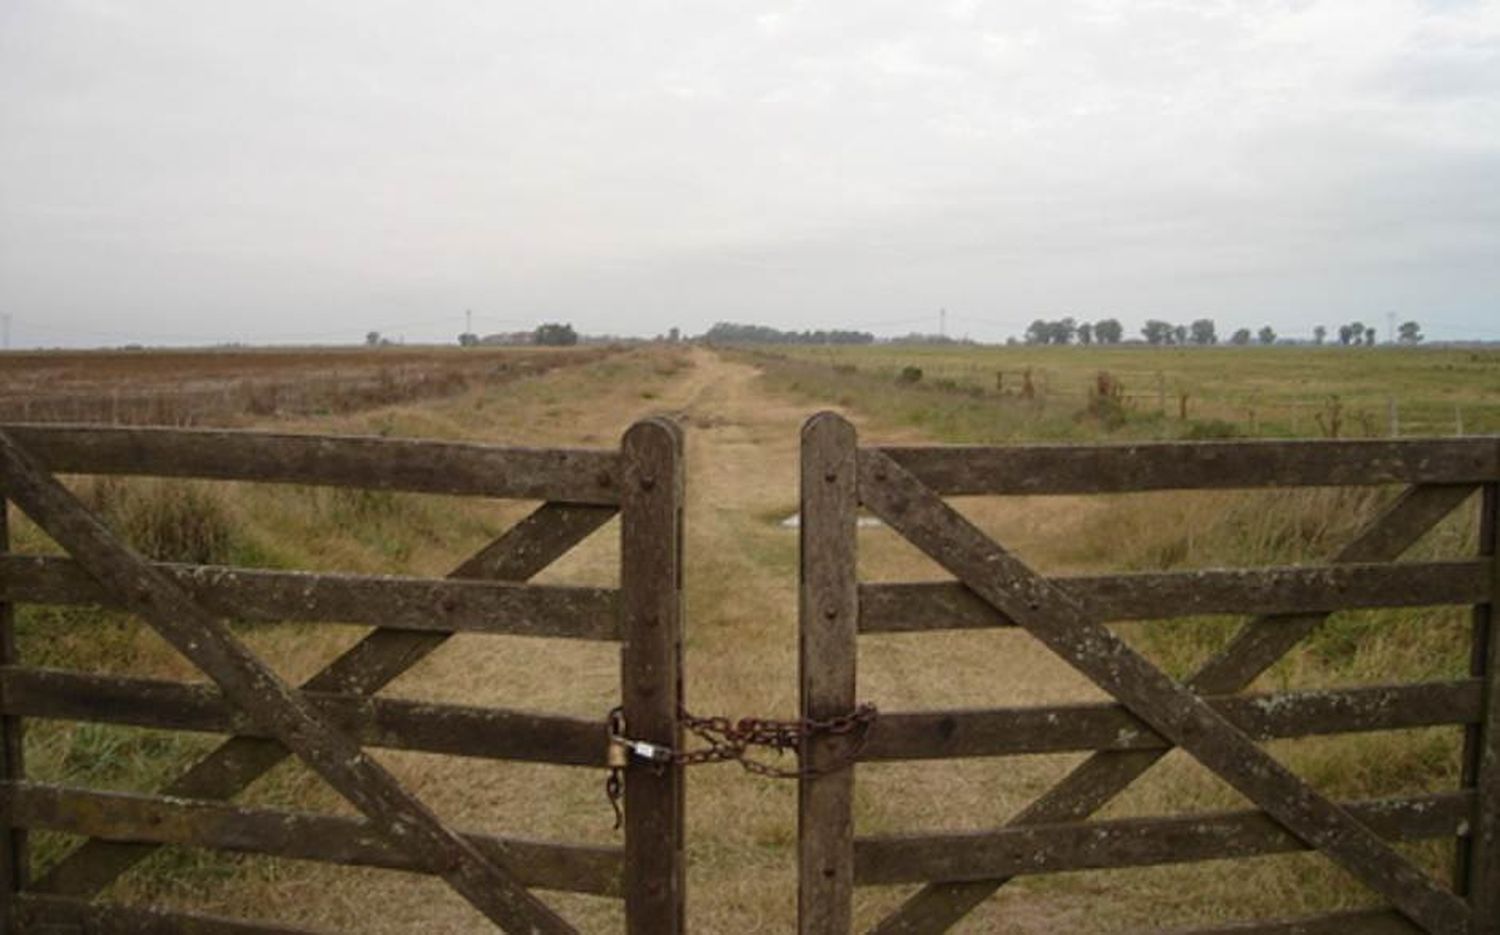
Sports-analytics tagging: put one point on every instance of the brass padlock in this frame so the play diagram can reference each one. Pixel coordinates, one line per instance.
(618, 757)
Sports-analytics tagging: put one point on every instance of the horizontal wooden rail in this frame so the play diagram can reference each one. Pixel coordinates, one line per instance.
(1069, 469)
(1360, 921)
(119, 816)
(1288, 589)
(1074, 727)
(420, 466)
(56, 915)
(1131, 842)
(448, 605)
(456, 730)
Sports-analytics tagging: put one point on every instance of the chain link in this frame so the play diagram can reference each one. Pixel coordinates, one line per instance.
(731, 741)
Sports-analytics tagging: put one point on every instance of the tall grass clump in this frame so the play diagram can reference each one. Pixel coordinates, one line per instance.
(163, 520)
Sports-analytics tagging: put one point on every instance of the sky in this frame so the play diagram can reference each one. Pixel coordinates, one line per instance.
(190, 172)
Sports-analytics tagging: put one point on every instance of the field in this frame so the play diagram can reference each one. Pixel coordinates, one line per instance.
(741, 411)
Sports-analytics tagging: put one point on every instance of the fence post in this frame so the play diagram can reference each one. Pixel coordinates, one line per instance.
(651, 609)
(13, 852)
(1478, 865)
(827, 616)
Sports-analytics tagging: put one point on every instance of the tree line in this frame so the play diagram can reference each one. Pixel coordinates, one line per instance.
(725, 332)
(1202, 332)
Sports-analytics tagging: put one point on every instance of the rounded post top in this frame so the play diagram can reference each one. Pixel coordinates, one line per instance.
(827, 423)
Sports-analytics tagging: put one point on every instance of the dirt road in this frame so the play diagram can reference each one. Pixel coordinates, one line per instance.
(741, 659)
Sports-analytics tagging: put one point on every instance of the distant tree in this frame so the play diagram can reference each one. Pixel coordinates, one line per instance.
(1038, 332)
(1179, 334)
(553, 334)
(1085, 333)
(1411, 332)
(372, 339)
(1108, 331)
(1346, 334)
(1156, 331)
(1266, 335)
(1240, 337)
(1062, 331)
(674, 334)
(1203, 332)
(1319, 333)
(468, 339)
(724, 332)
(1369, 337)
(1356, 332)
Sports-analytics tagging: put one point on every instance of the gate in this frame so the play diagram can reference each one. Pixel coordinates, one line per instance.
(1208, 716)
(329, 720)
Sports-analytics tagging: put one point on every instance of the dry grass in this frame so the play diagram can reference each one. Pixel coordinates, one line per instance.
(741, 658)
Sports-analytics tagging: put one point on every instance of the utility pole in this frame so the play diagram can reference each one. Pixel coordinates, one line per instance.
(942, 322)
(468, 321)
(1390, 327)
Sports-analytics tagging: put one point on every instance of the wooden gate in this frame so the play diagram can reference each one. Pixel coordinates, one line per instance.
(1208, 715)
(329, 720)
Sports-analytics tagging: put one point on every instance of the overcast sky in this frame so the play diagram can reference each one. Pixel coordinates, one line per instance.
(189, 172)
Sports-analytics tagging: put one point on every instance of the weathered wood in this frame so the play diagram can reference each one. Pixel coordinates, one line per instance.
(1068, 469)
(829, 614)
(57, 915)
(1067, 728)
(1253, 649)
(391, 723)
(13, 852)
(902, 607)
(419, 466)
(201, 823)
(369, 665)
(1132, 842)
(407, 603)
(651, 623)
(1171, 709)
(1360, 921)
(1479, 863)
(252, 685)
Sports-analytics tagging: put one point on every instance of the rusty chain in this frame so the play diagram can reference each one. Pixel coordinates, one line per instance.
(731, 741)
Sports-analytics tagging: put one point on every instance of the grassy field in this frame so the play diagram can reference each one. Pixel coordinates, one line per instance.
(1169, 392)
(742, 413)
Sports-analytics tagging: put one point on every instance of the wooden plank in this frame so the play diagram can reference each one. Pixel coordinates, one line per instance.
(419, 466)
(1362, 921)
(57, 915)
(1253, 649)
(202, 823)
(1067, 728)
(1131, 842)
(391, 723)
(209, 643)
(1479, 862)
(1173, 710)
(828, 617)
(369, 665)
(651, 621)
(915, 606)
(959, 470)
(14, 863)
(408, 603)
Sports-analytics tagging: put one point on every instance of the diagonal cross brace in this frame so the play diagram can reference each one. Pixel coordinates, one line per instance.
(1255, 648)
(1173, 710)
(366, 667)
(275, 708)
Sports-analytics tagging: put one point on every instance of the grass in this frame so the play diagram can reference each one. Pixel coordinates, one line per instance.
(741, 644)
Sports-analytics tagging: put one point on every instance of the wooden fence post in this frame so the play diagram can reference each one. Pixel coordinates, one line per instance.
(651, 607)
(1478, 866)
(828, 612)
(13, 855)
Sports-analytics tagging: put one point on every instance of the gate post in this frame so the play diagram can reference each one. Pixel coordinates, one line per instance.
(827, 619)
(13, 858)
(651, 680)
(1478, 866)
